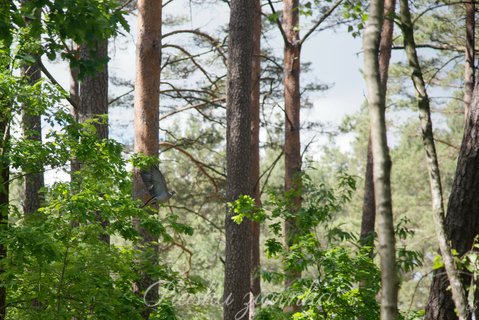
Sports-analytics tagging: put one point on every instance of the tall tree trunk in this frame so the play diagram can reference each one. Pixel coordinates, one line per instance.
(4, 197)
(254, 153)
(382, 162)
(74, 92)
(238, 116)
(369, 206)
(5, 122)
(32, 130)
(469, 70)
(292, 106)
(433, 165)
(462, 222)
(93, 100)
(147, 99)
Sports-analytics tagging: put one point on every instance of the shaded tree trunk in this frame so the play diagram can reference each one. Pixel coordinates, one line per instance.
(292, 106)
(238, 116)
(74, 92)
(462, 218)
(32, 130)
(4, 198)
(254, 178)
(147, 99)
(432, 161)
(381, 163)
(93, 101)
(368, 218)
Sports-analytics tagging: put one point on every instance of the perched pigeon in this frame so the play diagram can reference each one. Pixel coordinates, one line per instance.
(156, 185)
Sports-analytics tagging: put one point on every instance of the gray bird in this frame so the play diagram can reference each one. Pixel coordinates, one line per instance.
(156, 185)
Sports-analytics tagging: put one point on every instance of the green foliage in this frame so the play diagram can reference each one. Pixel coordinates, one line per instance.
(245, 207)
(355, 14)
(45, 28)
(58, 265)
(329, 259)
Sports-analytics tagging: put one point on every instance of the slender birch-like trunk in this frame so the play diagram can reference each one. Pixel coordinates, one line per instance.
(382, 162)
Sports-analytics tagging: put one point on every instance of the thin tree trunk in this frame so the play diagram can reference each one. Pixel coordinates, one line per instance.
(75, 97)
(147, 99)
(368, 218)
(369, 206)
(292, 106)
(5, 122)
(238, 116)
(255, 183)
(382, 162)
(433, 166)
(32, 130)
(4, 199)
(469, 70)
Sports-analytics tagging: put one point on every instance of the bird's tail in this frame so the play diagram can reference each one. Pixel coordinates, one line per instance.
(147, 202)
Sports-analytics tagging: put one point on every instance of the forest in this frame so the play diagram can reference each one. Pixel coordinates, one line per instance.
(173, 160)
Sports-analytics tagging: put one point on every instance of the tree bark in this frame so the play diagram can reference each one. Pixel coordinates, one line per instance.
(32, 130)
(147, 98)
(292, 106)
(469, 70)
(4, 198)
(432, 161)
(369, 207)
(74, 92)
(462, 222)
(254, 153)
(382, 162)
(238, 116)
(93, 101)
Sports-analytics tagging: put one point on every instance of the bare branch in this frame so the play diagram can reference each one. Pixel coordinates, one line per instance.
(320, 20)
(201, 166)
(214, 225)
(190, 57)
(278, 23)
(214, 42)
(269, 170)
(120, 96)
(54, 81)
(192, 106)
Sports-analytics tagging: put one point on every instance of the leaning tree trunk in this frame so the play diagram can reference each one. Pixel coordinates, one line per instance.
(382, 162)
(254, 178)
(462, 218)
(238, 116)
(432, 162)
(147, 99)
(292, 106)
